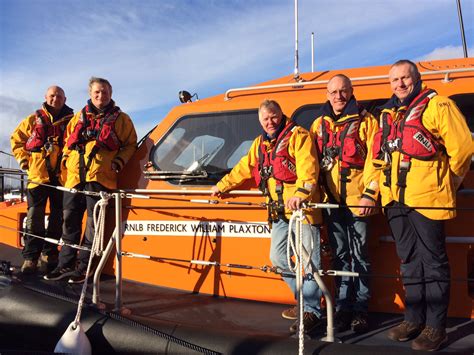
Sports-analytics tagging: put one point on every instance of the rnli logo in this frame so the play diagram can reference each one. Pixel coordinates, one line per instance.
(289, 165)
(420, 138)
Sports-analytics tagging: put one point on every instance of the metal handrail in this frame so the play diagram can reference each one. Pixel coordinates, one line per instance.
(10, 171)
(190, 192)
(299, 85)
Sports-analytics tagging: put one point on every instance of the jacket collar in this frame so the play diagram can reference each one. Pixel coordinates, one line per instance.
(96, 111)
(65, 111)
(351, 109)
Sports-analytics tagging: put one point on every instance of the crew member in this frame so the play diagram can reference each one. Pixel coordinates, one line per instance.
(284, 165)
(37, 145)
(344, 132)
(423, 148)
(100, 139)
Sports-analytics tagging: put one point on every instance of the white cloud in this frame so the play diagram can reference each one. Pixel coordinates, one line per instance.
(11, 113)
(446, 52)
(152, 50)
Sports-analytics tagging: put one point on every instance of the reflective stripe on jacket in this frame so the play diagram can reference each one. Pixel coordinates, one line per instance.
(302, 149)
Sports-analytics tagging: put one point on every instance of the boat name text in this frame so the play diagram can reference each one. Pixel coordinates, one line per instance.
(198, 228)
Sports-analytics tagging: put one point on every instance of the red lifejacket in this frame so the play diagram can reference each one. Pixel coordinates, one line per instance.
(345, 144)
(99, 128)
(407, 135)
(277, 163)
(44, 133)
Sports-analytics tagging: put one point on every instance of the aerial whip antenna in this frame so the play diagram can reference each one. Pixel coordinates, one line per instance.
(461, 25)
(297, 71)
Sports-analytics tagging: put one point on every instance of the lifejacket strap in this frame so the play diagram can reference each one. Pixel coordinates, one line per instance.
(344, 179)
(402, 178)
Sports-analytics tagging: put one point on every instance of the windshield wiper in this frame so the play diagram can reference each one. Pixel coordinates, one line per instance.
(175, 175)
(197, 165)
(194, 171)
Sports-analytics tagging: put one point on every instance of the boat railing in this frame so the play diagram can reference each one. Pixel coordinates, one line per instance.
(4, 172)
(303, 84)
(116, 240)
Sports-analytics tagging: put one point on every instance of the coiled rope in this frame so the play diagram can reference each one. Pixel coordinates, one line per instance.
(297, 218)
(96, 249)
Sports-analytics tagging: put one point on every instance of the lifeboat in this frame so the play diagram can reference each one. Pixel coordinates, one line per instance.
(198, 142)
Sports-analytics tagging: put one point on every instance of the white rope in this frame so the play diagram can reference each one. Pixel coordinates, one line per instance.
(298, 217)
(96, 249)
(47, 239)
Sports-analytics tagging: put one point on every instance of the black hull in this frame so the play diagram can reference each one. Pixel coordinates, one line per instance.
(35, 313)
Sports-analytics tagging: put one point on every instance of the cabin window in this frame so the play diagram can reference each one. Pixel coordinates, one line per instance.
(201, 147)
(305, 115)
(210, 143)
(241, 150)
(373, 106)
(465, 103)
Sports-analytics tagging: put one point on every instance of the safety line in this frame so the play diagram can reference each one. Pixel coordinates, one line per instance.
(264, 268)
(284, 272)
(47, 239)
(242, 203)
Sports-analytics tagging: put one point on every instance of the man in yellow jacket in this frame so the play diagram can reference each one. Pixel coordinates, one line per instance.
(100, 139)
(344, 133)
(283, 162)
(37, 145)
(424, 149)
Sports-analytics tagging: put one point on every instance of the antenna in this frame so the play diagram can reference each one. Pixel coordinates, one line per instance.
(461, 25)
(312, 52)
(297, 71)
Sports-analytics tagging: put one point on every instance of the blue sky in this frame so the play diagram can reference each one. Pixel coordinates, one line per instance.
(151, 49)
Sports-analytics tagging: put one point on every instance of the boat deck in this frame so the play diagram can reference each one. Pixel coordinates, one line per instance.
(34, 313)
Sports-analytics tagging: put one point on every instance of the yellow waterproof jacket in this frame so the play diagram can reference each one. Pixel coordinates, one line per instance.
(360, 182)
(36, 162)
(432, 182)
(100, 169)
(300, 147)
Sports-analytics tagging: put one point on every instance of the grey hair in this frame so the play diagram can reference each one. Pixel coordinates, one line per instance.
(102, 81)
(413, 67)
(270, 105)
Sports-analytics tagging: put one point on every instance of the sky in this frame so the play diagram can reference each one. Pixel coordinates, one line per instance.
(151, 49)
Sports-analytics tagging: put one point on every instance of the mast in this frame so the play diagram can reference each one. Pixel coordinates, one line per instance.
(461, 25)
(297, 71)
(312, 52)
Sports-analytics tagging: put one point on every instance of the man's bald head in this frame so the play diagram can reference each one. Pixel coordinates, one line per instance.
(55, 98)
